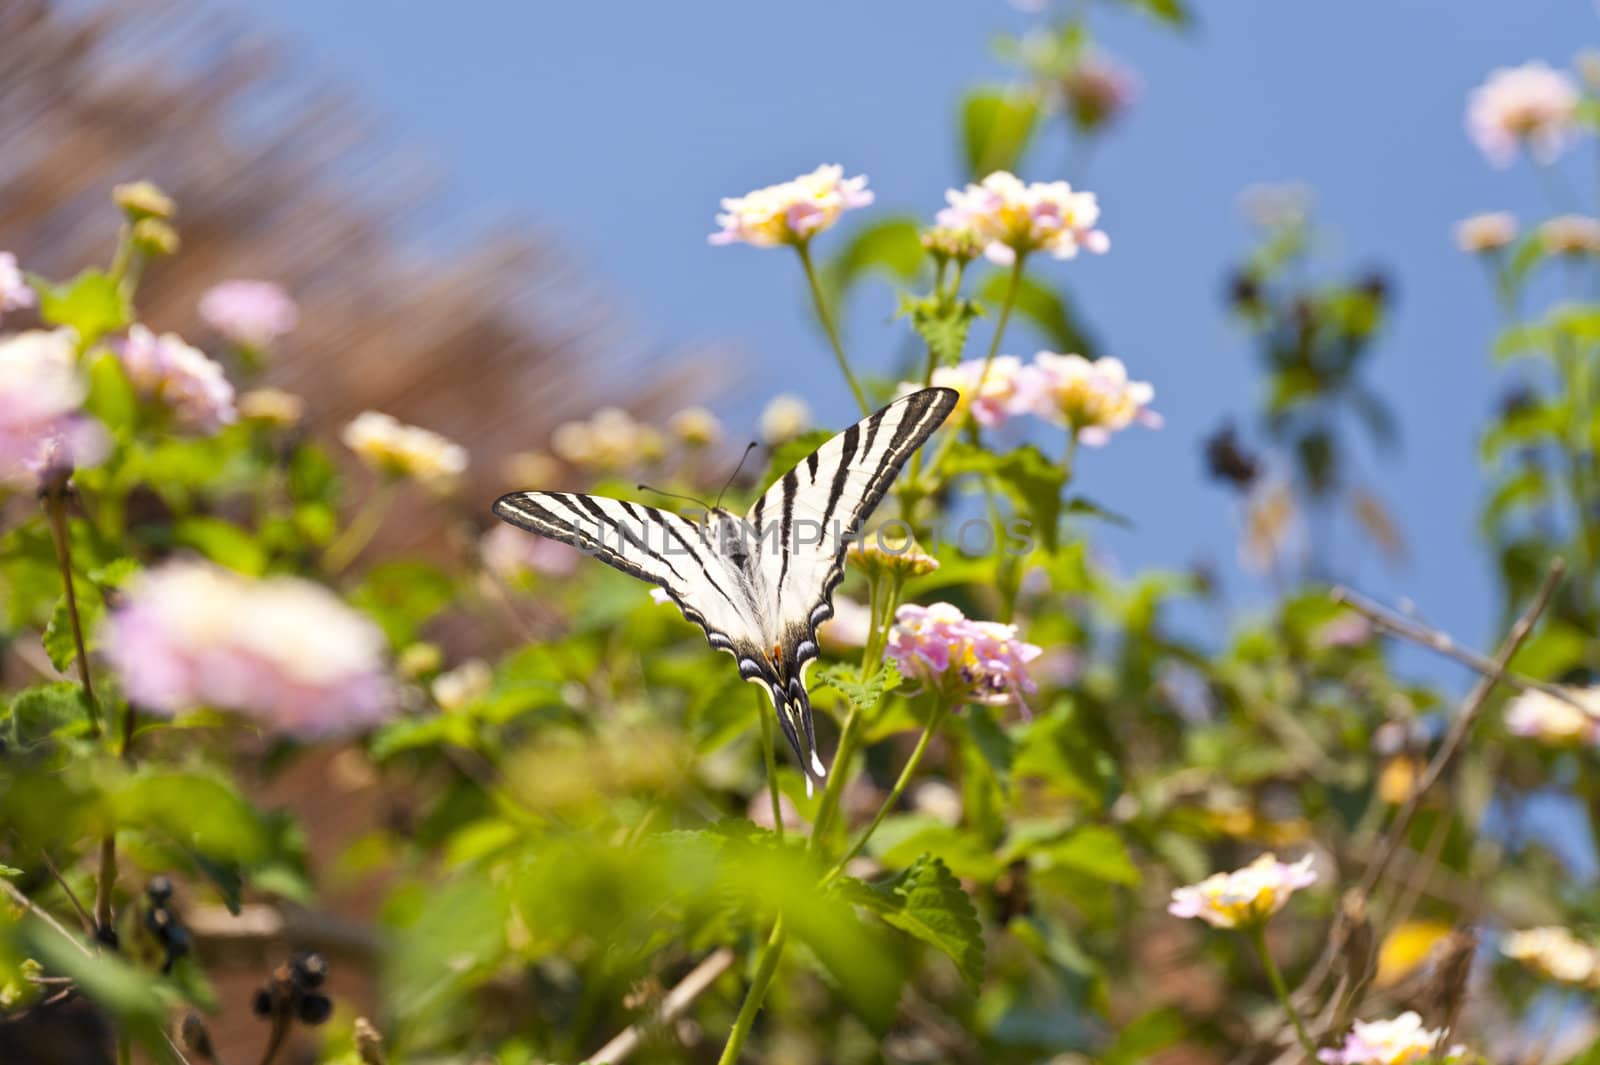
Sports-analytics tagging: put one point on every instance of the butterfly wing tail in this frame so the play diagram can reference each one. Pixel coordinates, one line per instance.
(793, 707)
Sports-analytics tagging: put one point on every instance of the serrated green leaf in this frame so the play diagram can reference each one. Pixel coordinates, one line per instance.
(35, 713)
(996, 126)
(864, 695)
(1028, 477)
(942, 324)
(926, 901)
(59, 642)
(91, 303)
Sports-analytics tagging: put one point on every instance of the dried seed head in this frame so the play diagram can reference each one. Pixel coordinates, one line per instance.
(369, 1043)
(196, 1037)
(1446, 990)
(1353, 934)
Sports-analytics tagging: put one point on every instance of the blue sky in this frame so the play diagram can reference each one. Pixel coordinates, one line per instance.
(617, 127)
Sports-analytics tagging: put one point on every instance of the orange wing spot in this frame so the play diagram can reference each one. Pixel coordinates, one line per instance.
(775, 654)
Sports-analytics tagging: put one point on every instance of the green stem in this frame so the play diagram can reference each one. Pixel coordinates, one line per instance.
(54, 497)
(765, 968)
(828, 326)
(362, 528)
(1007, 304)
(939, 713)
(1258, 936)
(772, 764)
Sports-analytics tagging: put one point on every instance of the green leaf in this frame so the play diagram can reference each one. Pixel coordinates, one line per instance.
(1523, 338)
(223, 542)
(91, 303)
(59, 642)
(942, 324)
(996, 125)
(892, 246)
(1045, 308)
(35, 713)
(864, 695)
(111, 397)
(124, 991)
(1096, 851)
(1146, 1036)
(1032, 481)
(196, 810)
(1173, 12)
(402, 596)
(926, 901)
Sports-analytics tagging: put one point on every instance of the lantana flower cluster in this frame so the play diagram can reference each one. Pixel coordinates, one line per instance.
(42, 423)
(1014, 218)
(178, 376)
(286, 653)
(1245, 897)
(1556, 954)
(14, 291)
(1532, 106)
(252, 314)
(1557, 722)
(1090, 398)
(791, 212)
(961, 659)
(404, 451)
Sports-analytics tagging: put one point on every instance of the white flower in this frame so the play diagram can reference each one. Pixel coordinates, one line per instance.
(695, 426)
(1554, 953)
(1490, 231)
(1531, 105)
(610, 439)
(785, 418)
(1571, 234)
(1399, 1041)
(179, 377)
(792, 212)
(1014, 218)
(1245, 896)
(404, 450)
(1538, 715)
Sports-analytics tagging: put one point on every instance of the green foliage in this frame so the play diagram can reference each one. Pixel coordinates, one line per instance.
(996, 126)
(942, 324)
(93, 304)
(925, 900)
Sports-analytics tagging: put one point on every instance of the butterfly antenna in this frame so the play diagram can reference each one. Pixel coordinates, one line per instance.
(696, 500)
(734, 475)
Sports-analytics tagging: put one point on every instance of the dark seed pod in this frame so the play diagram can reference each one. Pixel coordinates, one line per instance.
(108, 936)
(315, 1008)
(261, 1002)
(159, 890)
(159, 921)
(309, 970)
(178, 941)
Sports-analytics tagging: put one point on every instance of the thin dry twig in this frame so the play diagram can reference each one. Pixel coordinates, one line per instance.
(673, 1005)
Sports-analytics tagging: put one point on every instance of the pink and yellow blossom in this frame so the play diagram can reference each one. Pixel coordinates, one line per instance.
(791, 212)
(1554, 953)
(1002, 396)
(1092, 399)
(961, 659)
(404, 451)
(1489, 231)
(15, 292)
(1557, 722)
(1245, 897)
(1014, 218)
(283, 652)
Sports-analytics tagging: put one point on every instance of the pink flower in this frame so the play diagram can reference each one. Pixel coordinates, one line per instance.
(179, 377)
(849, 627)
(252, 314)
(978, 661)
(792, 212)
(41, 421)
(1244, 897)
(1531, 105)
(14, 289)
(1555, 722)
(513, 555)
(1001, 397)
(1399, 1041)
(1097, 90)
(1015, 218)
(283, 652)
(1092, 399)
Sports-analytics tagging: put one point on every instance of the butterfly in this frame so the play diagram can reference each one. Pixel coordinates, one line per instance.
(758, 584)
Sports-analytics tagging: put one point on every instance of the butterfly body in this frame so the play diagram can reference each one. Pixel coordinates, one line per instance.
(759, 583)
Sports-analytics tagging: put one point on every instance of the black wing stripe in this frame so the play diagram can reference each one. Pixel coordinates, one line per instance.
(872, 429)
(705, 570)
(791, 485)
(633, 538)
(811, 466)
(841, 473)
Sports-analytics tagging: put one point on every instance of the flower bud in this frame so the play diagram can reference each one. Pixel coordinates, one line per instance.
(155, 237)
(143, 199)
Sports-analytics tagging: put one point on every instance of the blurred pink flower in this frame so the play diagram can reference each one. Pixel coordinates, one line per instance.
(1097, 90)
(14, 289)
(849, 627)
(41, 421)
(252, 314)
(284, 652)
(1489, 231)
(1555, 722)
(1531, 105)
(179, 377)
(1401, 1040)
(792, 212)
(513, 555)
(1244, 897)
(1092, 399)
(978, 661)
(1015, 218)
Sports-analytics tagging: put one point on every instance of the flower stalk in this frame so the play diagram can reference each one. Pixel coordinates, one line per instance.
(803, 249)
